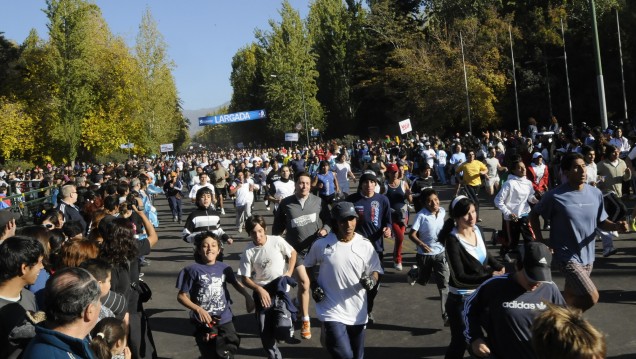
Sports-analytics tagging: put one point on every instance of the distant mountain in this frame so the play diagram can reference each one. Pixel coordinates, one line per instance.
(193, 116)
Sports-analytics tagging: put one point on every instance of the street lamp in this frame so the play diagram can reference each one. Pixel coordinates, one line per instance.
(302, 94)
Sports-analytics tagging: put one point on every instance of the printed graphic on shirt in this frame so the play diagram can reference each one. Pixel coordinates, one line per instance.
(303, 220)
(211, 293)
(523, 305)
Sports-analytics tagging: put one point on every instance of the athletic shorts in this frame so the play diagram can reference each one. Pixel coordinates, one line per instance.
(577, 278)
(492, 181)
(222, 191)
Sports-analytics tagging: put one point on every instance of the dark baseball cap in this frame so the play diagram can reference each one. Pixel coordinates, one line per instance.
(343, 210)
(536, 262)
(369, 175)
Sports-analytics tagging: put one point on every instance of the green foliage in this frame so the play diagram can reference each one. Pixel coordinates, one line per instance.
(289, 74)
(16, 129)
(336, 34)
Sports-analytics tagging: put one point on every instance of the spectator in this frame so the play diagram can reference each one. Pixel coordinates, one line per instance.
(113, 304)
(20, 265)
(72, 311)
(121, 249)
(109, 340)
(68, 208)
(7, 224)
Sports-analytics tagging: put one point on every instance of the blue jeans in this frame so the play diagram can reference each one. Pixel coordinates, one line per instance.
(344, 341)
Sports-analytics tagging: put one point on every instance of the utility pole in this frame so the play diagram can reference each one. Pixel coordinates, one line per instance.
(600, 84)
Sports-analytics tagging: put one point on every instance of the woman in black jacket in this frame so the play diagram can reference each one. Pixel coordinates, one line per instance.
(469, 263)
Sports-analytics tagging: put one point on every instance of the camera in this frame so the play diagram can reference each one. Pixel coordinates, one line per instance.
(131, 200)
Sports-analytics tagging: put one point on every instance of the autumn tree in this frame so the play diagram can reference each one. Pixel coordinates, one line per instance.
(157, 90)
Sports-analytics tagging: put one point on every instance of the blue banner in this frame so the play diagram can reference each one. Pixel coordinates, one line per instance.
(232, 117)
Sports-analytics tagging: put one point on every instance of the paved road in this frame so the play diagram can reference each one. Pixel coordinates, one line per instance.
(408, 323)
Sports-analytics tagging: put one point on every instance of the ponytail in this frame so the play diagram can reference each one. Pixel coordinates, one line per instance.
(100, 347)
(449, 224)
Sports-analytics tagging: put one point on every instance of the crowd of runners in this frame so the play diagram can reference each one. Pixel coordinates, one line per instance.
(71, 283)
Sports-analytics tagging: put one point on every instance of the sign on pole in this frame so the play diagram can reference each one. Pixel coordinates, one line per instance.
(127, 146)
(291, 137)
(232, 117)
(166, 147)
(405, 126)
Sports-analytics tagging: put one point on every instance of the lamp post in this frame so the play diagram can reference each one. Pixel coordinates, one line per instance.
(514, 77)
(302, 94)
(567, 74)
(620, 55)
(600, 83)
(470, 122)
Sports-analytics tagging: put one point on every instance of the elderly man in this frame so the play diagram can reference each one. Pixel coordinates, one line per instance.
(68, 208)
(71, 313)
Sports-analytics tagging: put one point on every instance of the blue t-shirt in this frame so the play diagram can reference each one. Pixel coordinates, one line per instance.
(206, 285)
(574, 216)
(329, 185)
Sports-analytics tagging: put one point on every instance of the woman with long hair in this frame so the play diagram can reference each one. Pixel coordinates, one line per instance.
(469, 263)
(122, 250)
(399, 194)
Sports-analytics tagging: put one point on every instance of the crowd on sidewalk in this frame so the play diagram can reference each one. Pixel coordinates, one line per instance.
(88, 244)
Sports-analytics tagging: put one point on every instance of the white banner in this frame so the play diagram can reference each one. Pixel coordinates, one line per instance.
(291, 137)
(405, 126)
(166, 147)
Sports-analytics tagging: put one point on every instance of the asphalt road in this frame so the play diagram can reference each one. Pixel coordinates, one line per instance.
(408, 323)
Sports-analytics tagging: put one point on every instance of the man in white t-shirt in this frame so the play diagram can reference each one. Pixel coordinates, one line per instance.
(202, 182)
(349, 267)
(264, 260)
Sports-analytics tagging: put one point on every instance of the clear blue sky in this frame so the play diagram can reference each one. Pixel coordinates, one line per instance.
(202, 35)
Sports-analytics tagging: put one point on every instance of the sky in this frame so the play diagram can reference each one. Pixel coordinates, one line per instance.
(202, 35)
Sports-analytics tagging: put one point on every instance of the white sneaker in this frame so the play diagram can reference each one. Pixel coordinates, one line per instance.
(398, 267)
(222, 210)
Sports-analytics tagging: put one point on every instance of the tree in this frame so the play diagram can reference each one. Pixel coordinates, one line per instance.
(16, 130)
(158, 115)
(336, 32)
(70, 37)
(289, 74)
